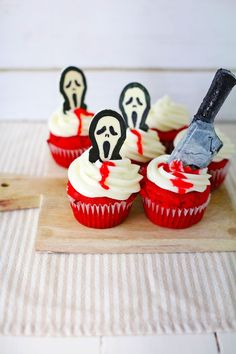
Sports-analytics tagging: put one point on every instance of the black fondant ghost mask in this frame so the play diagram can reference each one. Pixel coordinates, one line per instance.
(135, 105)
(73, 88)
(107, 133)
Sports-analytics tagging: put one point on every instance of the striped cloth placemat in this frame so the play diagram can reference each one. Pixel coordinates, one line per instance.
(71, 295)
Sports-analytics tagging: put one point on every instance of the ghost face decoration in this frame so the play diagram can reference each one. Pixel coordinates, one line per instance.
(73, 88)
(135, 104)
(107, 133)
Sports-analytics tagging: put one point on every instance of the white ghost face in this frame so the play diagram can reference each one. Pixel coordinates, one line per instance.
(74, 87)
(107, 134)
(134, 105)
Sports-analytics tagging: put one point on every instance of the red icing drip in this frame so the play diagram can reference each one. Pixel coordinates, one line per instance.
(181, 184)
(177, 169)
(79, 112)
(139, 141)
(104, 171)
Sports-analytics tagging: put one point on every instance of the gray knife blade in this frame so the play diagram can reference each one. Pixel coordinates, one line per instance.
(201, 142)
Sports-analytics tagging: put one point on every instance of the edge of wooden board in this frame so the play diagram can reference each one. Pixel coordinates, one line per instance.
(155, 246)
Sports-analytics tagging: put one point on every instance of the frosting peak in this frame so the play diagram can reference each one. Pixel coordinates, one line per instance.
(167, 115)
(116, 179)
(71, 123)
(142, 146)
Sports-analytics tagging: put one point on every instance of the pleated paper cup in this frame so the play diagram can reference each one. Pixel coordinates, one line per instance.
(64, 150)
(173, 210)
(218, 171)
(64, 157)
(176, 218)
(99, 212)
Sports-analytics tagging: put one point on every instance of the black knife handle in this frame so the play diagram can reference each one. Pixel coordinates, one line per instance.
(221, 86)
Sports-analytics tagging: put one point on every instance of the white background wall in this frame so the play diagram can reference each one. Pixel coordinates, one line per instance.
(171, 46)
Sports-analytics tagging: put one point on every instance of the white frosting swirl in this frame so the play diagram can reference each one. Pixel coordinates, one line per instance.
(227, 150)
(123, 179)
(66, 125)
(151, 145)
(162, 178)
(166, 115)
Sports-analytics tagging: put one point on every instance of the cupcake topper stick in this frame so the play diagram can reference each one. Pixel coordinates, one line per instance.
(107, 133)
(73, 87)
(135, 104)
(201, 143)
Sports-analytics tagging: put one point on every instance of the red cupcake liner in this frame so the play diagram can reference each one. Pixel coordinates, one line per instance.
(98, 212)
(101, 216)
(168, 209)
(70, 142)
(64, 150)
(175, 218)
(218, 171)
(64, 157)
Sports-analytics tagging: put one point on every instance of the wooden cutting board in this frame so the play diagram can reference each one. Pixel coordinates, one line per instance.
(58, 231)
(24, 192)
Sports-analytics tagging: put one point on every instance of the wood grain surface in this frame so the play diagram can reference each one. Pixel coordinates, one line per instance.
(25, 192)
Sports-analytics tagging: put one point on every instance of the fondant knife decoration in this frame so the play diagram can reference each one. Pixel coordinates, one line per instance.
(201, 143)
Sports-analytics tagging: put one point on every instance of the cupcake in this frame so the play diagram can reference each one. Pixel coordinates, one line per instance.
(69, 125)
(168, 119)
(176, 190)
(219, 166)
(173, 195)
(101, 184)
(142, 144)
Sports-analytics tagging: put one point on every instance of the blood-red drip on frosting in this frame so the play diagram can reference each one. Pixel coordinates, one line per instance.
(104, 171)
(177, 169)
(79, 112)
(139, 141)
